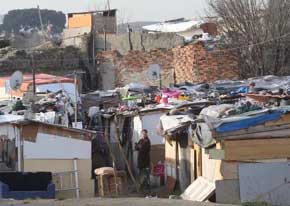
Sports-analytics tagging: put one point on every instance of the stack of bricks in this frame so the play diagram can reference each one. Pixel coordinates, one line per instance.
(191, 63)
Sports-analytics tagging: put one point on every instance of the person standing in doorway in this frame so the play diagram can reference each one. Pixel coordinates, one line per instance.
(143, 147)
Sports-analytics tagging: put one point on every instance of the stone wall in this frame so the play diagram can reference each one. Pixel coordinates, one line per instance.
(191, 63)
(51, 60)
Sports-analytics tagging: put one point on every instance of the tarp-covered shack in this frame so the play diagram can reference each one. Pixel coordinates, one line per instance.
(250, 155)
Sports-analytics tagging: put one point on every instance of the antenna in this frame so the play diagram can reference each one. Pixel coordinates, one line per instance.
(154, 73)
(16, 80)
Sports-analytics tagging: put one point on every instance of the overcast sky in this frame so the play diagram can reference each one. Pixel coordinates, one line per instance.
(129, 10)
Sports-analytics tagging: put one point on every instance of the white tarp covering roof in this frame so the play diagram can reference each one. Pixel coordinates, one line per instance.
(10, 118)
(171, 122)
(175, 26)
(67, 88)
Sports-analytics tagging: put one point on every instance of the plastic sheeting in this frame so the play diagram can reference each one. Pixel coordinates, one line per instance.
(48, 117)
(249, 122)
(216, 111)
(203, 135)
(246, 120)
(171, 122)
(67, 88)
(173, 26)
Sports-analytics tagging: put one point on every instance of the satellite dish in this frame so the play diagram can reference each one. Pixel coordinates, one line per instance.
(154, 72)
(16, 80)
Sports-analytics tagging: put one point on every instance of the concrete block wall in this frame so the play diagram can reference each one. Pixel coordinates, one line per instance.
(140, 41)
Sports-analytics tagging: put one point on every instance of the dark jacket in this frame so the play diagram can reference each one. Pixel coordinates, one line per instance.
(143, 146)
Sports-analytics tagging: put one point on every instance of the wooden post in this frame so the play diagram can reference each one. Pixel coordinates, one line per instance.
(118, 135)
(199, 160)
(112, 156)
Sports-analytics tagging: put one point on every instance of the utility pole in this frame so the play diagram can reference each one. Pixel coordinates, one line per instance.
(76, 98)
(33, 73)
(160, 80)
(94, 39)
(41, 23)
(105, 26)
(76, 73)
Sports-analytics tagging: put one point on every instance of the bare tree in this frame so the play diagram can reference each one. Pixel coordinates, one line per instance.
(258, 32)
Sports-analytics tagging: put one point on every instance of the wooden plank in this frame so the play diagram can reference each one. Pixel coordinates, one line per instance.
(209, 167)
(250, 133)
(192, 165)
(170, 151)
(199, 160)
(285, 119)
(239, 150)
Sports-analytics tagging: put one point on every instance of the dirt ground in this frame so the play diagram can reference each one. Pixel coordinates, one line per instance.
(107, 202)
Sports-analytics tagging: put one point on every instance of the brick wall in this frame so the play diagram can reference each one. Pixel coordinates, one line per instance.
(191, 63)
(134, 66)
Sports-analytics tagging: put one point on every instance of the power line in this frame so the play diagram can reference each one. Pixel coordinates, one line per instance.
(251, 45)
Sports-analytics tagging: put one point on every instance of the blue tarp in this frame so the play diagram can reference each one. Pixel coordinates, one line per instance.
(249, 122)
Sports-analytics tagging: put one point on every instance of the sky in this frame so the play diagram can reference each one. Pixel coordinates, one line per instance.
(128, 10)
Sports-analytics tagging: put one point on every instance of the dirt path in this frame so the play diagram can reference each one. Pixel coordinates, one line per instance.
(107, 202)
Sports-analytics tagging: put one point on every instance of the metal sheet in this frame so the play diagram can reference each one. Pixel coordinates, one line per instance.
(228, 192)
(267, 182)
